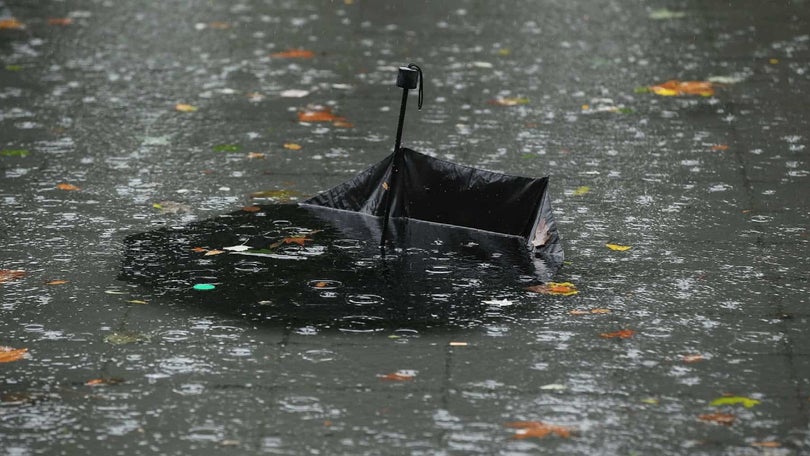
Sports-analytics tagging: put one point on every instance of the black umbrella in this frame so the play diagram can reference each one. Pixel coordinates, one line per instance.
(458, 239)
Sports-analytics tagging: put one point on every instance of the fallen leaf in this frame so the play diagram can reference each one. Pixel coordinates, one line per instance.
(458, 344)
(22, 153)
(692, 358)
(56, 282)
(618, 247)
(726, 419)
(773, 61)
(398, 376)
(676, 88)
(342, 124)
(256, 155)
(199, 250)
(317, 115)
(770, 444)
(293, 54)
(385, 186)
(251, 208)
(300, 240)
(509, 101)
(582, 190)
(67, 187)
(321, 284)
(650, 401)
(621, 334)
(292, 146)
(8, 354)
(720, 147)
(537, 429)
(218, 25)
(555, 288)
(11, 24)
(7, 275)
(60, 21)
(182, 107)
(14, 67)
(137, 301)
(214, 252)
(746, 402)
(104, 381)
(227, 148)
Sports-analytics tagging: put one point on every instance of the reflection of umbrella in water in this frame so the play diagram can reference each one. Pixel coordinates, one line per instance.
(457, 236)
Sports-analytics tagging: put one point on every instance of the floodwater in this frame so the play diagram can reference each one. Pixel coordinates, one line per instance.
(162, 118)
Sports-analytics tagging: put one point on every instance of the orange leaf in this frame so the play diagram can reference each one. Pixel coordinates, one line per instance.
(398, 376)
(251, 208)
(675, 88)
(537, 429)
(300, 240)
(556, 288)
(7, 275)
(67, 187)
(199, 250)
(294, 54)
(8, 354)
(104, 381)
(60, 21)
(56, 282)
(621, 334)
(214, 252)
(770, 444)
(726, 419)
(292, 146)
(342, 123)
(321, 284)
(318, 115)
(11, 24)
(692, 358)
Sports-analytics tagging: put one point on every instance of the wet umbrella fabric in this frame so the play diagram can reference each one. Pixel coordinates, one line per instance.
(437, 191)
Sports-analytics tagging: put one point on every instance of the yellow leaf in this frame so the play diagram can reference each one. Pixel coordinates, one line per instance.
(182, 107)
(746, 402)
(650, 400)
(256, 155)
(618, 247)
(582, 190)
(773, 61)
(292, 146)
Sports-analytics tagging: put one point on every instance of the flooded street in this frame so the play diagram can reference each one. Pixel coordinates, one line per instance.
(141, 145)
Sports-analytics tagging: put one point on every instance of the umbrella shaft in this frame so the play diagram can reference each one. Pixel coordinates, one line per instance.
(389, 194)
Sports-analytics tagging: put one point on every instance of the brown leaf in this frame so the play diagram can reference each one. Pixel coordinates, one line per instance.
(8, 354)
(317, 115)
(56, 282)
(595, 311)
(621, 334)
(770, 444)
(199, 250)
(214, 252)
(726, 419)
(60, 21)
(67, 187)
(256, 155)
(294, 54)
(537, 429)
(104, 381)
(251, 208)
(555, 288)
(720, 147)
(7, 275)
(321, 284)
(398, 376)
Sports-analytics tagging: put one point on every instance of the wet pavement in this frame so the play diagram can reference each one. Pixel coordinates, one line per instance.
(162, 116)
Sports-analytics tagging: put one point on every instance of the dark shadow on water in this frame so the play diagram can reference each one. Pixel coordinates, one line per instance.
(302, 265)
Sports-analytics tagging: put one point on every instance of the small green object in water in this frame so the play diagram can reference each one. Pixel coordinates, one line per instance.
(227, 148)
(204, 286)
